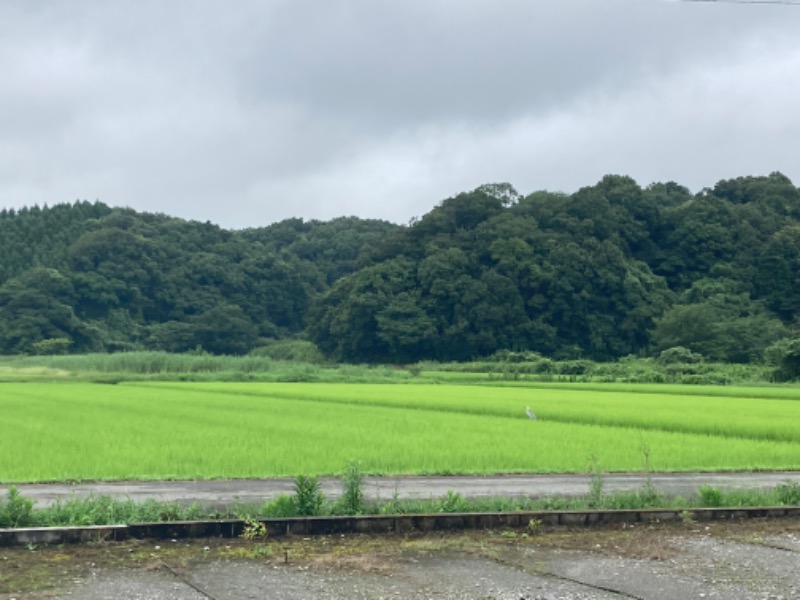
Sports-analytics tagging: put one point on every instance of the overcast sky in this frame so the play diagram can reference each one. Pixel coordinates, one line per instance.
(248, 112)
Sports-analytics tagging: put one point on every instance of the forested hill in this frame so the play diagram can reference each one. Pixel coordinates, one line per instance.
(111, 280)
(610, 270)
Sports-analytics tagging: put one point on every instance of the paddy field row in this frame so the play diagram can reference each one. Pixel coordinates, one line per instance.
(86, 431)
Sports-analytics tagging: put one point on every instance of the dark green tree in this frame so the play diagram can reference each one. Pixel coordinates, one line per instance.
(778, 279)
(36, 307)
(719, 323)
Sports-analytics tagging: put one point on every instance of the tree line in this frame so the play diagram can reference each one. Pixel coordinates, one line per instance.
(611, 270)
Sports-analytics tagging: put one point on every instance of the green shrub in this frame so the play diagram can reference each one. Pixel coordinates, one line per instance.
(573, 367)
(785, 356)
(291, 351)
(52, 346)
(679, 355)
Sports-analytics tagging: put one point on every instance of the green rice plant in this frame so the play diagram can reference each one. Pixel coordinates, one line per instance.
(149, 430)
(718, 415)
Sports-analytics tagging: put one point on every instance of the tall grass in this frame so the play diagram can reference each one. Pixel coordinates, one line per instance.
(19, 511)
(165, 366)
(297, 361)
(146, 363)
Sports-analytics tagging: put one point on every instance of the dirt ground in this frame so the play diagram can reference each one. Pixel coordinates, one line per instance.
(736, 560)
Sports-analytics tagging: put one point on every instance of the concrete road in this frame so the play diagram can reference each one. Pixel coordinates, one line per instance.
(739, 560)
(221, 493)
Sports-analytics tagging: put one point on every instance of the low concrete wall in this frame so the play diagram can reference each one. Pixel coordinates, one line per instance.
(397, 524)
(61, 535)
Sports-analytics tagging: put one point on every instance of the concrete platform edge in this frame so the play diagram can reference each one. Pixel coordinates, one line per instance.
(382, 524)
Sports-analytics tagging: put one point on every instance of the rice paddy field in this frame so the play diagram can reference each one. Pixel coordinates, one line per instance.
(69, 431)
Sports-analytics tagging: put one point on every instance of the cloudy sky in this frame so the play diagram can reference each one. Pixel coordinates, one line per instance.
(245, 113)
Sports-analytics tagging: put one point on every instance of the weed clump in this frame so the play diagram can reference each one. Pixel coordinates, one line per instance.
(281, 507)
(453, 502)
(788, 493)
(254, 529)
(711, 497)
(308, 496)
(16, 511)
(352, 500)
(595, 497)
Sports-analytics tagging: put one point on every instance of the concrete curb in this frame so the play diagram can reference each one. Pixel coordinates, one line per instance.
(381, 524)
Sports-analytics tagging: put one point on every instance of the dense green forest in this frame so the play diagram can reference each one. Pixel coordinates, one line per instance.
(611, 270)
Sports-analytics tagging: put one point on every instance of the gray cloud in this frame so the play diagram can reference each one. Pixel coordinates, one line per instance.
(381, 61)
(251, 112)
